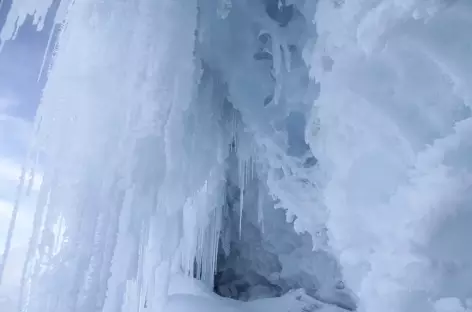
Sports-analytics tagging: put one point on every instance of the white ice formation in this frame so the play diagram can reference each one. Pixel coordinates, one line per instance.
(169, 130)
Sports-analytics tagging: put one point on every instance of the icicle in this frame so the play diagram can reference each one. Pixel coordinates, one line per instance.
(234, 130)
(25, 283)
(46, 54)
(217, 234)
(16, 206)
(287, 57)
(32, 175)
(260, 207)
(245, 165)
(278, 63)
(12, 225)
(58, 235)
(242, 184)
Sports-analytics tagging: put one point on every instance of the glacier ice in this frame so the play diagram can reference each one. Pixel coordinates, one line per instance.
(169, 130)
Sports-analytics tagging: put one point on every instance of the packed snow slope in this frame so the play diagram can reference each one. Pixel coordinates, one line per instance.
(354, 116)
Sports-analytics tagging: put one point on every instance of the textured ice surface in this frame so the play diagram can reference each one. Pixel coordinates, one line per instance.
(162, 118)
(391, 130)
(267, 257)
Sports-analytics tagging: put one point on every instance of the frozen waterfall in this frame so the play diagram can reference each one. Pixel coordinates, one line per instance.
(248, 155)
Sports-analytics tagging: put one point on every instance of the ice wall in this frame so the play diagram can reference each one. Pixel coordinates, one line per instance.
(119, 140)
(391, 130)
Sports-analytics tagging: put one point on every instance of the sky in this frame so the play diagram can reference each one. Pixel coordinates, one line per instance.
(20, 91)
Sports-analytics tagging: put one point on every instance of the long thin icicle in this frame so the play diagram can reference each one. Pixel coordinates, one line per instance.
(12, 224)
(242, 186)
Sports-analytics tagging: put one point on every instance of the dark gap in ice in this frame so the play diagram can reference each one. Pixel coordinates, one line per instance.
(269, 258)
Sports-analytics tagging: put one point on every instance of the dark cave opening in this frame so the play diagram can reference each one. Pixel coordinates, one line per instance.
(266, 257)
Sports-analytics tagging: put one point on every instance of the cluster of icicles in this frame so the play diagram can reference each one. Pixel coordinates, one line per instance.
(353, 115)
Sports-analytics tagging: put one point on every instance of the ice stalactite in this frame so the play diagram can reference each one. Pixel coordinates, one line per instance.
(12, 224)
(116, 171)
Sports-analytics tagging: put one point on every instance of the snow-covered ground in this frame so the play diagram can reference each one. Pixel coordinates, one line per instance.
(187, 295)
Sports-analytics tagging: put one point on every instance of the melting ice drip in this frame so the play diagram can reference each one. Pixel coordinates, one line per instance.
(147, 101)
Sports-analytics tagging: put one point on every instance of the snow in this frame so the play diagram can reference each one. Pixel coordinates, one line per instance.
(319, 148)
(189, 296)
(392, 159)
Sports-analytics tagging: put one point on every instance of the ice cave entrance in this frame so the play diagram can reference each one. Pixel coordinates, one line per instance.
(260, 255)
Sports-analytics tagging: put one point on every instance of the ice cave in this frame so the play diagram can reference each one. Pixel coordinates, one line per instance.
(237, 156)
